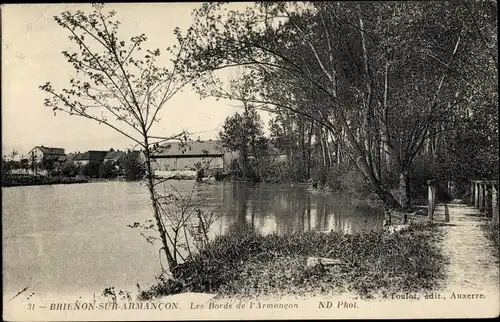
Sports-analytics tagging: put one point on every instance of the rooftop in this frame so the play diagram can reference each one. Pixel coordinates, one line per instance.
(49, 150)
(190, 148)
(114, 155)
(91, 156)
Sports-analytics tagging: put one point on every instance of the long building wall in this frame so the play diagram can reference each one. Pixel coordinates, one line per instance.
(187, 163)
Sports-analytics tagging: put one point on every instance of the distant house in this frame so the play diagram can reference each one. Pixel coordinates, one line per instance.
(70, 157)
(176, 156)
(96, 157)
(39, 154)
(115, 157)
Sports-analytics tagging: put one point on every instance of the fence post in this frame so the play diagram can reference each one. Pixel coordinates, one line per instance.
(472, 191)
(494, 202)
(431, 195)
(446, 213)
(480, 198)
(476, 194)
(487, 199)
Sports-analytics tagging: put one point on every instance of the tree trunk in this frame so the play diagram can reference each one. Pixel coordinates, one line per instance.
(172, 263)
(404, 188)
(309, 150)
(257, 167)
(328, 152)
(244, 161)
(390, 203)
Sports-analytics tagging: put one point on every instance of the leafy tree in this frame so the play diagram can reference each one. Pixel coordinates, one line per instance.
(107, 170)
(132, 167)
(90, 169)
(293, 136)
(69, 169)
(378, 77)
(48, 164)
(244, 133)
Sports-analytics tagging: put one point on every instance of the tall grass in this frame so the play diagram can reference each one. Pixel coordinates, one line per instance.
(247, 264)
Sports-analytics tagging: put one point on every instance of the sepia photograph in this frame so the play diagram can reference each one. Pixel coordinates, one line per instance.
(250, 160)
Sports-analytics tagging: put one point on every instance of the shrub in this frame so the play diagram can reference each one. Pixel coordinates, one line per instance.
(277, 172)
(345, 178)
(107, 170)
(89, 170)
(69, 169)
(132, 168)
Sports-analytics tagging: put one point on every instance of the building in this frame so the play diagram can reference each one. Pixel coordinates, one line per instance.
(71, 156)
(96, 157)
(115, 157)
(39, 154)
(189, 156)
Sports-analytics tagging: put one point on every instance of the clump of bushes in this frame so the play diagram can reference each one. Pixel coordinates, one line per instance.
(90, 170)
(248, 264)
(69, 169)
(107, 170)
(344, 178)
(277, 172)
(133, 168)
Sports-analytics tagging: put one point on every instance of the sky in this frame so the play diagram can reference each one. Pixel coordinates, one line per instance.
(31, 56)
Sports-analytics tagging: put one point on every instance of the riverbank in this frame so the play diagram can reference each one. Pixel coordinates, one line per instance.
(37, 180)
(249, 265)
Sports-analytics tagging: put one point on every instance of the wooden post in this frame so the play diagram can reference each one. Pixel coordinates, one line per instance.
(472, 191)
(446, 213)
(494, 202)
(431, 195)
(481, 196)
(487, 199)
(387, 218)
(476, 194)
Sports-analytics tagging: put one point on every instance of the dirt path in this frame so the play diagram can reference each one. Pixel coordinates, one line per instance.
(472, 267)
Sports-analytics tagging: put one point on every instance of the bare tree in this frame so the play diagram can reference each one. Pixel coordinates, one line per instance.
(118, 83)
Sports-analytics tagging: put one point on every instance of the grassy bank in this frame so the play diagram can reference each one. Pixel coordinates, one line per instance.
(492, 231)
(245, 264)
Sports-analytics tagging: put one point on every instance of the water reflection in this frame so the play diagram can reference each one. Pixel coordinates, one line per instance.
(271, 208)
(75, 238)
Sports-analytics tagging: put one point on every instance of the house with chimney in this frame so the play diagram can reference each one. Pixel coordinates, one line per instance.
(116, 158)
(40, 154)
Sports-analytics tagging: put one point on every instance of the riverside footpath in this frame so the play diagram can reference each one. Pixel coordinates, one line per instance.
(472, 266)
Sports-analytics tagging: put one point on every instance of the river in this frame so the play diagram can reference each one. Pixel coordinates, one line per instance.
(70, 239)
